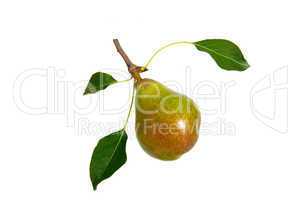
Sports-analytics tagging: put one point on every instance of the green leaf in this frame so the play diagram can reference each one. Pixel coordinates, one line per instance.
(99, 81)
(108, 156)
(227, 54)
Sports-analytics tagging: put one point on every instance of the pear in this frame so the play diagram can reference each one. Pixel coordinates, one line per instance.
(167, 123)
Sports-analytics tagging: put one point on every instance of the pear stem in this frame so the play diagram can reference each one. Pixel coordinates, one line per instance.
(133, 69)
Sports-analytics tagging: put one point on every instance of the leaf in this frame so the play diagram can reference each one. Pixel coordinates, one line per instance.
(227, 54)
(108, 156)
(99, 81)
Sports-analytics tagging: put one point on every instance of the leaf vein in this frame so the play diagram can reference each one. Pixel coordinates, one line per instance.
(211, 50)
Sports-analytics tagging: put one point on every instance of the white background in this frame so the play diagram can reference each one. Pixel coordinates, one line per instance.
(47, 155)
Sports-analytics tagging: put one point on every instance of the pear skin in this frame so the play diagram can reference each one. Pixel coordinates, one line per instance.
(167, 123)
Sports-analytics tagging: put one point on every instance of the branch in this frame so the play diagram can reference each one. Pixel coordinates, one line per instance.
(133, 69)
(123, 54)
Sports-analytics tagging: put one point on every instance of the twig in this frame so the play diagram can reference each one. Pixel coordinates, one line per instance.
(133, 69)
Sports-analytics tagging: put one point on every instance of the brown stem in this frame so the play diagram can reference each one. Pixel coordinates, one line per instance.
(133, 69)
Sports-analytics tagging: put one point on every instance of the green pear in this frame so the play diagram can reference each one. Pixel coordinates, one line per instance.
(167, 123)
